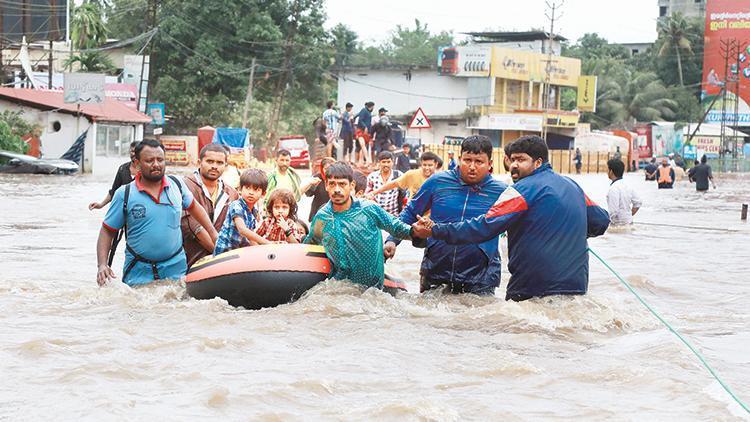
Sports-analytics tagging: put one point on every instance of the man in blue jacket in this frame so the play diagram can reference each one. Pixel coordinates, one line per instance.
(548, 219)
(466, 192)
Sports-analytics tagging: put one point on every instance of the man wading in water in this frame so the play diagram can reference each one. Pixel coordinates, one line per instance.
(547, 217)
(465, 192)
(149, 208)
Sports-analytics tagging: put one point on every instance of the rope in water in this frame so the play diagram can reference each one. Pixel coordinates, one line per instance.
(677, 334)
(687, 227)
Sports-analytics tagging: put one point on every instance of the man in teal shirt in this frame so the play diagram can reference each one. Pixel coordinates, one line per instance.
(349, 229)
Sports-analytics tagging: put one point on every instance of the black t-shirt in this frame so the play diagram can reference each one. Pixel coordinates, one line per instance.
(122, 177)
(700, 174)
(320, 197)
(650, 169)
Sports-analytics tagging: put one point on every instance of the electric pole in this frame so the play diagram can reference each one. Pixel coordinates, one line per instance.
(552, 15)
(249, 96)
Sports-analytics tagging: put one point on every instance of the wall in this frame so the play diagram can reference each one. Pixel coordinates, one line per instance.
(440, 129)
(411, 95)
(54, 144)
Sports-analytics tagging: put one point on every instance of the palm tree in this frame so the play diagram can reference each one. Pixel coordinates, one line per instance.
(94, 62)
(87, 25)
(673, 32)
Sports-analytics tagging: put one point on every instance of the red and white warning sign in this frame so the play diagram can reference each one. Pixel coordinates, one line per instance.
(420, 120)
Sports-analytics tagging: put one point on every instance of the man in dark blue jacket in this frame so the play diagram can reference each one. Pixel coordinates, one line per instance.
(548, 219)
(453, 196)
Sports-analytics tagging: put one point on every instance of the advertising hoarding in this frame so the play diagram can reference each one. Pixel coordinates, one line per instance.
(726, 20)
(468, 61)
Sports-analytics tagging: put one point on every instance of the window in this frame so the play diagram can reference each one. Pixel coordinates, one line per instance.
(662, 10)
(634, 51)
(56, 126)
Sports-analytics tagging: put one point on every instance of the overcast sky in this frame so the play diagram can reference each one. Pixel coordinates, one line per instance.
(618, 21)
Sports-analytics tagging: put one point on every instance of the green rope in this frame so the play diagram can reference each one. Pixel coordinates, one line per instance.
(679, 336)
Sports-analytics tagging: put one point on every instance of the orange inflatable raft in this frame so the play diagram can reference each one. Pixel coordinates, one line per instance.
(264, 276)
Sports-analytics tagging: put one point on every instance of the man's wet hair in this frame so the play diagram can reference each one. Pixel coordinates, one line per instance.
(349, 105)
(213, 148)
(153, 143)
(329, 104)
(254, 178)
(704, 159)
(283, 152)
(369, 104)
(477, 144)
(134, 144)
(360, 182)
(431, 156)
(385, 155)
(532, 145)
(340, 170)
(617, 167)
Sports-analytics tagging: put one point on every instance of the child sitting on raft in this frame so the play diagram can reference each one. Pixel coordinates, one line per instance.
(238, 227)
(281, 224)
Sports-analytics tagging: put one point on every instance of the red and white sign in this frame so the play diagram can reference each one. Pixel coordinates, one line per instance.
(420, 120)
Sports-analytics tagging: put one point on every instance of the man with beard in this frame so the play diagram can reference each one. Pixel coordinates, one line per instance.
(213, 195)
(350, 228)
(548, 219)
(465, 192)
(149, 208)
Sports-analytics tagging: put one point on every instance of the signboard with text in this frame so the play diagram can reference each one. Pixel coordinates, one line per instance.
(586, 98)
(468, 61)
(175, 151)
(83, 88)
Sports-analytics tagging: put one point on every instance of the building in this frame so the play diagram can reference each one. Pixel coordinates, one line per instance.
(688, 8)
(636, 48)
(533, 41)
(404, 89)
(110, 126)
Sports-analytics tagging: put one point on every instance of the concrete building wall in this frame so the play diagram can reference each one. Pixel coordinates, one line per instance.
(391, 89)
(688, 8)
(440, 129)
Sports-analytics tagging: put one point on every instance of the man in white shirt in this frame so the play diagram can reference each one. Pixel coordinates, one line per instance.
(622, 201)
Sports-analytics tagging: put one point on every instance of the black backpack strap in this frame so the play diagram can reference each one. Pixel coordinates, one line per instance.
(123, 231)
(177, 182)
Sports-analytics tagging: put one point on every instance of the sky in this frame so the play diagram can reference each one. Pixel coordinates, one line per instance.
(619, 21)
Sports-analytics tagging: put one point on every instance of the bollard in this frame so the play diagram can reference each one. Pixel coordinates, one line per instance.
(743, 216)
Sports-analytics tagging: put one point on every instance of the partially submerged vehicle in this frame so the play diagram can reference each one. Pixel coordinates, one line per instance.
(11, 162)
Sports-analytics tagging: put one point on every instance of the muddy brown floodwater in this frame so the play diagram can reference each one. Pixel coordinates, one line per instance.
(70, 350)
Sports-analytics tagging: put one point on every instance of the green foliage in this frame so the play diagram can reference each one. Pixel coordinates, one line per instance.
(12, 128)
(406, 46)
(94, 62)
(87, 25)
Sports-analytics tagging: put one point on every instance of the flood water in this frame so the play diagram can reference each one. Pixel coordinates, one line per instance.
(70, 350)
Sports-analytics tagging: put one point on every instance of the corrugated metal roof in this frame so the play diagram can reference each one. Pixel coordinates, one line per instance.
(108, 111)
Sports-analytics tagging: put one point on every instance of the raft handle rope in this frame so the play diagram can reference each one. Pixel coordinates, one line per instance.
(674, 331)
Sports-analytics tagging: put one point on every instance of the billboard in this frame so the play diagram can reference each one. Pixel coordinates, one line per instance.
(83, 88)
(467, 61)
(726, 20)
(586, 97)
(529, 66)
(34, 19)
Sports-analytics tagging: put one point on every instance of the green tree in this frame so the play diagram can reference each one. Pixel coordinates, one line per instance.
(592, 46)
(95, 62)
(12, 128)
(629, 97)
(344, 43)
(87, 25)
(673, 33)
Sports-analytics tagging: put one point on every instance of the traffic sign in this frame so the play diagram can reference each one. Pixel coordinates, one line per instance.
(420, 120)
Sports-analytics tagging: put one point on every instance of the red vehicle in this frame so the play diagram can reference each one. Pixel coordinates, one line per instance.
(297, 147)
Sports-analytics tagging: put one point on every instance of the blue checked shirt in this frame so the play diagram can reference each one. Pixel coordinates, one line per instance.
(229, 237)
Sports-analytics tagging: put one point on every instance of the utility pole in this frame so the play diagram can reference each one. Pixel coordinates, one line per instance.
(249, 96)
(728, 51)
(552, 16)
(147, 52)
(53, 33)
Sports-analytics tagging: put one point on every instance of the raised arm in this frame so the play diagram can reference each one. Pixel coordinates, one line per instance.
(391, 224)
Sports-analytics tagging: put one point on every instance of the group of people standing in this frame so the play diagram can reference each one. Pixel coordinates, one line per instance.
(456, 215)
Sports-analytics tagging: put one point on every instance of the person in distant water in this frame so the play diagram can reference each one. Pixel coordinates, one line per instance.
(651, 170)
(701, 174)
(364, 132)
(402, 158)
(548, 219)
(618, 154)
(680, 162)
(451, 161)
(125, 174)
(578, 160)
(388, 200)
(622, 201)
(285, 177)
(347, 133)
(381, 132)
(412, 180)
(149, 208)
(318, 191)
(209, 191)
(465, 192)
(665, 175)
(238, 229)
(280, 224)
(350, 231)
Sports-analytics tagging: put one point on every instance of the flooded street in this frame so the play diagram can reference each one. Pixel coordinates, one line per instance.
(72, 350)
